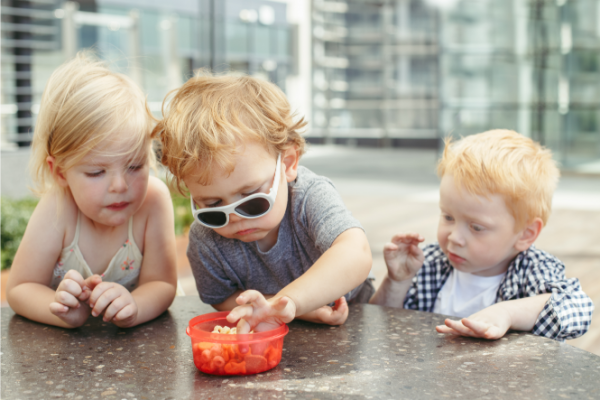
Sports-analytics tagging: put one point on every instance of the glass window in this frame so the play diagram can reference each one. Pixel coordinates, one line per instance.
(263, 40)
(237, 38)
(283, 42)
(185, 34)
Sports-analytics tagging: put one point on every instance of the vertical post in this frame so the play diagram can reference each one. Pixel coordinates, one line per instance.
(525, 74)
(386, 56)
(170, 52)
(22, 56)
(69, 30)
(135, 67)
(438, 20)
(540, 57)
(217, 36)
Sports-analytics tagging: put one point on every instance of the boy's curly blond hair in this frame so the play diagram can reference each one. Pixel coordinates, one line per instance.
(209, 117)
(504, 162)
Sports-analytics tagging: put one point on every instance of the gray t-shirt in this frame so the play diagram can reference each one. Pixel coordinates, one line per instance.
(315, 216)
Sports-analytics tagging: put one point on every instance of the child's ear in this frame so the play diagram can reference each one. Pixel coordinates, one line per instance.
(529, 234)
(290, 159)
(56, 172)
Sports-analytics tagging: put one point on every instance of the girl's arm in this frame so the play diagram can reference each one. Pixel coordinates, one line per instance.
(27, 289)
(158, 274)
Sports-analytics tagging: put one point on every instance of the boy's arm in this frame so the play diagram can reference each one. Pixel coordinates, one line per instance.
(564, 310)
(335, 315)
(391, 293)
(492, 322)
(403, 259)
(331, 276)
(326, 281)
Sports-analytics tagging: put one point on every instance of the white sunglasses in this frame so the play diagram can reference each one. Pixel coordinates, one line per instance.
(254, 206)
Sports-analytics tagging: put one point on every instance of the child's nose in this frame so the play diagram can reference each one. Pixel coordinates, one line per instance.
(233, 217)
(118, 183)
(456, 237)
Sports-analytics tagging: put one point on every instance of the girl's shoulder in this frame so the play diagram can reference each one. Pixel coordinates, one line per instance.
(157, 195)
(58, 212)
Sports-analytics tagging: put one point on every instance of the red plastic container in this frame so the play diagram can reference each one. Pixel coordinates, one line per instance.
(226, 354)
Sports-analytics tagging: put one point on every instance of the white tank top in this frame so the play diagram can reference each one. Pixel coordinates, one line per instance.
(124, 268)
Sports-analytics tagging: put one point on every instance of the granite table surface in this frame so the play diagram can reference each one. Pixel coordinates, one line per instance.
(379, 353)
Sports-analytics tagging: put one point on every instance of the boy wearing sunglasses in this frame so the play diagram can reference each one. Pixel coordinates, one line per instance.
(271, 240)
(495, 196)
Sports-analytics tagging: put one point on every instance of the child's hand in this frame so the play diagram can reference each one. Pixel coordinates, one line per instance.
(115, 302)
(403, 257)
(259, 314)
(490, 323)
(335, 315)
(72, 292)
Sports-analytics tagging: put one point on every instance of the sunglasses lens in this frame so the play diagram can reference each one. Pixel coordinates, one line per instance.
(216, 218)
(254, 207)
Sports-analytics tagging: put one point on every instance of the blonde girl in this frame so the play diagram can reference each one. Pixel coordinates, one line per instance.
(101, 239)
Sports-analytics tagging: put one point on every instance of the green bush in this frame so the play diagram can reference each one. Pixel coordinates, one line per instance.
(183, 213)
(14, 217)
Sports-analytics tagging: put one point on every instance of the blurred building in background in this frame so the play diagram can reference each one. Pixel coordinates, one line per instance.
(410, 72)
(366, 72)
(158, 43)
(375, 72)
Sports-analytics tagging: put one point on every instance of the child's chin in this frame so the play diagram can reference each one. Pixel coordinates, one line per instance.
(250, 237)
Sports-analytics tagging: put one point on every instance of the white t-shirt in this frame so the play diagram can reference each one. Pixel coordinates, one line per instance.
(464, 294)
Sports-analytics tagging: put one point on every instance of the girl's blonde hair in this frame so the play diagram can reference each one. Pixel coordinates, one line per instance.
(504, 162)
(210, 116)
(83, 105)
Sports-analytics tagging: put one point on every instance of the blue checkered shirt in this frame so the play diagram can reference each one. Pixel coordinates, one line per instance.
(566, 315)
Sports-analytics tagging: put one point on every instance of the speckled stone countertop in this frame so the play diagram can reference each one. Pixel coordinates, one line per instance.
(380, 353)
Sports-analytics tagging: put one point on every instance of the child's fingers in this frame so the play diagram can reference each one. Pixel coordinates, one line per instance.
(74, 276)
(340, 305)
(340, 312)
(99, 291)
(243, 327)
(389, 247)
(115, 306)
(125, 313)
(446, 330)
(85, 294)
(281, 303)
(244, 311)
(69, 286)
(483, 329)
(407, 238)
(104, 300)
(458, 327)
(252, 296)
(58, 308)
(93, 281)
(478, 327)
(415, 251)
(66, 299)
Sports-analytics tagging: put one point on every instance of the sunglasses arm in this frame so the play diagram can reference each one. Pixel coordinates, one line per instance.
(277, 171)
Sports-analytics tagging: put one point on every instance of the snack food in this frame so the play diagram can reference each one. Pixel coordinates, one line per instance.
(220, 359)
(219, 350)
